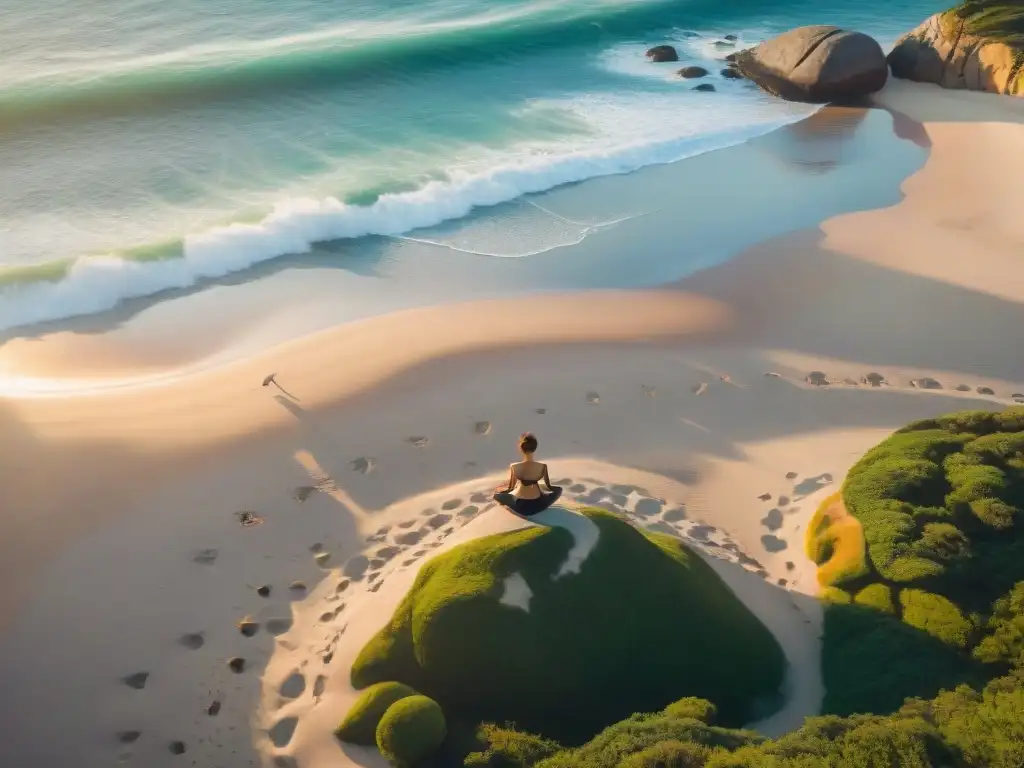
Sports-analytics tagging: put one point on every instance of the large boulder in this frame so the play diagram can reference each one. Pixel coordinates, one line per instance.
(816, 64)
(567, 632)
(949, 51)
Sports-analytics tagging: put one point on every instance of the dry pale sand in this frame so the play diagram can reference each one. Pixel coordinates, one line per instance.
(144, 517)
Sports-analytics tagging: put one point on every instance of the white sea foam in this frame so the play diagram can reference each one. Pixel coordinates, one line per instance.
(630, 131)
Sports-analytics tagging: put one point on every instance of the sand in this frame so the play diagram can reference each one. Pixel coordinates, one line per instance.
(152, 514)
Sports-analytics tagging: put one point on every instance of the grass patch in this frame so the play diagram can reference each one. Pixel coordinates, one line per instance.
(569, 666)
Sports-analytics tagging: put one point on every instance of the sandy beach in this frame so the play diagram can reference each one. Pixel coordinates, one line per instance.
(148, 501)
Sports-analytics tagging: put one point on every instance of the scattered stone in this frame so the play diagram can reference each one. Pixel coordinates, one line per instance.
(791, 475)
(263, 591)
(248, 518)
(783, 501)
(731, 73)
(236, 665)
(177, 747)
(661, 53)
(782, 582)
(703, 88)
(925, 382)
(214, 709)
(963, 388)
(128, 737)
(303, 492)
(136, 680)
(689, 72)
(730, 38)
(720, 44)
(297, 586)
(985, 391)
(765, 497)
(874, 379)
(790, 565)
(773, 375)
(322, 559)
(248, 627)
(193, 641)
(817, 378)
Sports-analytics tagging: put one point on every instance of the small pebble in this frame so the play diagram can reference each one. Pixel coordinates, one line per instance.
(214, 709)
(263, 591)
(177, 747)
(248, 627)
(236, 665)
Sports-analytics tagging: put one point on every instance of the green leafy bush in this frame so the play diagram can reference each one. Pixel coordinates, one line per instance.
(698, 709)
(669, 754)
(412, 728)
(935, 615)
(877, 596)
(499, 747)
(360, 724)
(568, 666)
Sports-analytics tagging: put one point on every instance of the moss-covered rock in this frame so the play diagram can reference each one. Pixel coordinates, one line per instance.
(692, 707)
(360, 724)
(567, 664)
(412, 729)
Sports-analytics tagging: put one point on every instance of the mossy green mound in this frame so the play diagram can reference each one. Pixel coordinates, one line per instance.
(644, 622)
(941, 505)
(413, 728)
(360, 724)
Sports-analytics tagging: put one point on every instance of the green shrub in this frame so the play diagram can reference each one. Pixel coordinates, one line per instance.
(935, 615)
(360, 724)
(669, 754)
(579, 636)
(509, 748)
(836, 595)
(412, 728)
(698, 709)
(877, 596)
(1004, 640)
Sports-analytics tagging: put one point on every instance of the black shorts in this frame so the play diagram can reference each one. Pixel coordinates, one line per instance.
(528, 507)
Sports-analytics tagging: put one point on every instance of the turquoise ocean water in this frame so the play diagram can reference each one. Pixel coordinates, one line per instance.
(146, 146)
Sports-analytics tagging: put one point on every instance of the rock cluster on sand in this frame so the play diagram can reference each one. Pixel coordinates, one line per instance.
(816, 64)
(950, 51)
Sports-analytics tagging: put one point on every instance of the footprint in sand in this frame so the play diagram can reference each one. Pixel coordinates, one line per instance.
(281, 732)
(783, 501)
(407, 524)
(206, 556)
(674, 515)
(773, 520)
(376, 564)
(418, 440)
(438, 520)
(577, 488)
(963, 388)
(193, 641)
(214, 708)
(372, 577)
(699, 389)
(765, 497)
(318, 686)
(355, 567)
(482, 428)
(410, 561)
(419, 553)
(648, 507)
(593, 398)
(278, 626)
(409, 538)
(649, 391)
(128, 737)
(451, 504)
(342, 586)
(468, 511)
(364, 465)
(791, 475)
(136, 680)
(293, 686)
(773, 543)
(540, 411)
(479, 498)
(386, 553)
(297, 588)
(177, 747)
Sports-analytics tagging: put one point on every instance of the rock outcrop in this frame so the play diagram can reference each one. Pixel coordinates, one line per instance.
(661, 53)
(944, 51)
(816, 64)
(694, 71)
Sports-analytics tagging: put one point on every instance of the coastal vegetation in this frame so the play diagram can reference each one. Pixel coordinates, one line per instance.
(922, 570)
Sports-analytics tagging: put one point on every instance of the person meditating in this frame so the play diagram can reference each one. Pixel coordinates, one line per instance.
(522, 493)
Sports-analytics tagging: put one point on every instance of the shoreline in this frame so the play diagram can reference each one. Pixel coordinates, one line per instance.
(701, 384)
(248, 314)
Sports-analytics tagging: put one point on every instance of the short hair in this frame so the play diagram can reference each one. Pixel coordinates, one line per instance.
(527, 442)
